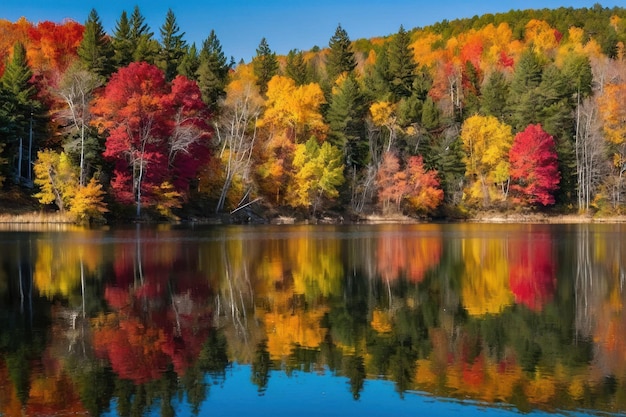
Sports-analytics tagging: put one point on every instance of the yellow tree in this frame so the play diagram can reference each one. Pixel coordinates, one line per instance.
(294, 110)
(613, 116)
(486, 142)
(318, 174)
(55, 176)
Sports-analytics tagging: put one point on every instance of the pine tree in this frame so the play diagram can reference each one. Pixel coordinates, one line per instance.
(345, 117)
(340, 57)
(122, 43)
(212, 72)
(95, 50)
(190, 63)
(296, 67)
(173, 46)
(145, 48)
(265, 65)
(494, 95)
(18, 110)
(401, 64)
(523, 104)
(378, 78)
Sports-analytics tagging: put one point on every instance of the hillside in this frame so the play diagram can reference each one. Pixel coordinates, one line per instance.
(516, 112)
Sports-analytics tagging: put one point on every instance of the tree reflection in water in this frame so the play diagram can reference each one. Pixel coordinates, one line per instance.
(133, 321)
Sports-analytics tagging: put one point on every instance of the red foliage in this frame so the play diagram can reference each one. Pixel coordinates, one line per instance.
(506, 61)
(153, 124)
(534, 166)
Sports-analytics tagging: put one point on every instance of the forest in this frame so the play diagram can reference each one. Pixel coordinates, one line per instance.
(515, 112)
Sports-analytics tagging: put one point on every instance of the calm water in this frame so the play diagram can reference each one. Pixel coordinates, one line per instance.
(314, 320)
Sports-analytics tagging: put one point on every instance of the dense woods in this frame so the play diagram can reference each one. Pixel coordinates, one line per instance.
(516, 111)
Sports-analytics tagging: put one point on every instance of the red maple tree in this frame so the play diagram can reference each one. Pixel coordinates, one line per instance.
(534, 167)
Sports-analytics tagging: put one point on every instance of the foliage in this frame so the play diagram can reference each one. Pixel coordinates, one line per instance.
(534, 170)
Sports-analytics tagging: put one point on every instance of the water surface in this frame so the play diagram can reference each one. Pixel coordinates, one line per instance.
(314, 320)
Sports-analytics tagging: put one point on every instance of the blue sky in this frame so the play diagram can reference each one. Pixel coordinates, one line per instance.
(286, 24)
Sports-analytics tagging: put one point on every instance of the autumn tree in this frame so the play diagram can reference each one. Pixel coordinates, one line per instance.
(265, 65)
(77, 91)
(486, 142)
(318, 174)
(533, 166)
(96, 51)
(612, 114)
(340, 56)
(391, 182)
(236, 133)
(423, 192)
(156, 133)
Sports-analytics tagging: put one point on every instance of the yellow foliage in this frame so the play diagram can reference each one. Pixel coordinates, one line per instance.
(166, 199)
(88, 203)
(541, 35)
(295, 109)
(383, 113)
(284, 330)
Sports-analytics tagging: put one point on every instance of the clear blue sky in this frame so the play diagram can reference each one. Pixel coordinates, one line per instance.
(286, 24)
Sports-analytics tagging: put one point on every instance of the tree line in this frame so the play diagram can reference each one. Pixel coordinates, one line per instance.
(521, 110)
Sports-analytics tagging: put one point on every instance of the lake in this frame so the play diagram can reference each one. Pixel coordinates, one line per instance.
(402, 320)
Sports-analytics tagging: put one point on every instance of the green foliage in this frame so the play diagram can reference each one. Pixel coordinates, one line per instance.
(401, 64)
(265, 65)
(340, 56)
(212, 72)
(296, 67)
(172, 46)
(319, 173)
(346, 120)
(96, 51)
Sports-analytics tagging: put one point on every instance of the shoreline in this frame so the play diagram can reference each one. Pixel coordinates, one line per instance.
(38, 218)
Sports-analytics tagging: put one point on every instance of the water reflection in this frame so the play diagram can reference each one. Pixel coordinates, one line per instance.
(157, 319)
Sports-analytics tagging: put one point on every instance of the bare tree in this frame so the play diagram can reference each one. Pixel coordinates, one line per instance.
(236, 134)
(76, 89)
(591, 153)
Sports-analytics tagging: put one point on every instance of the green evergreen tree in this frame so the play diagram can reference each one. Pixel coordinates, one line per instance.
(19, 113)
(296, 67)
(378, 79)
(523, 103)
(340, 56)
(471, 80)
(265, 65)
(95, 50)
(173, 46)
(346, 119)
(190, 63)
(213, 70)
(145, 48)
(401, 64)
(122, 43)
(494, 95)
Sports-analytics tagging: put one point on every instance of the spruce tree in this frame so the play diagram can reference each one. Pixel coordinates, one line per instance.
(296, 67)
(401, 64)
(190, 63)
(340, 56)
(494, 94)
(265, 65)
(122, 43)
(19, 111)
(145, 48)
(523, 104)
(173, 46)
(345, 117)
(95, 51)
(212, 72)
